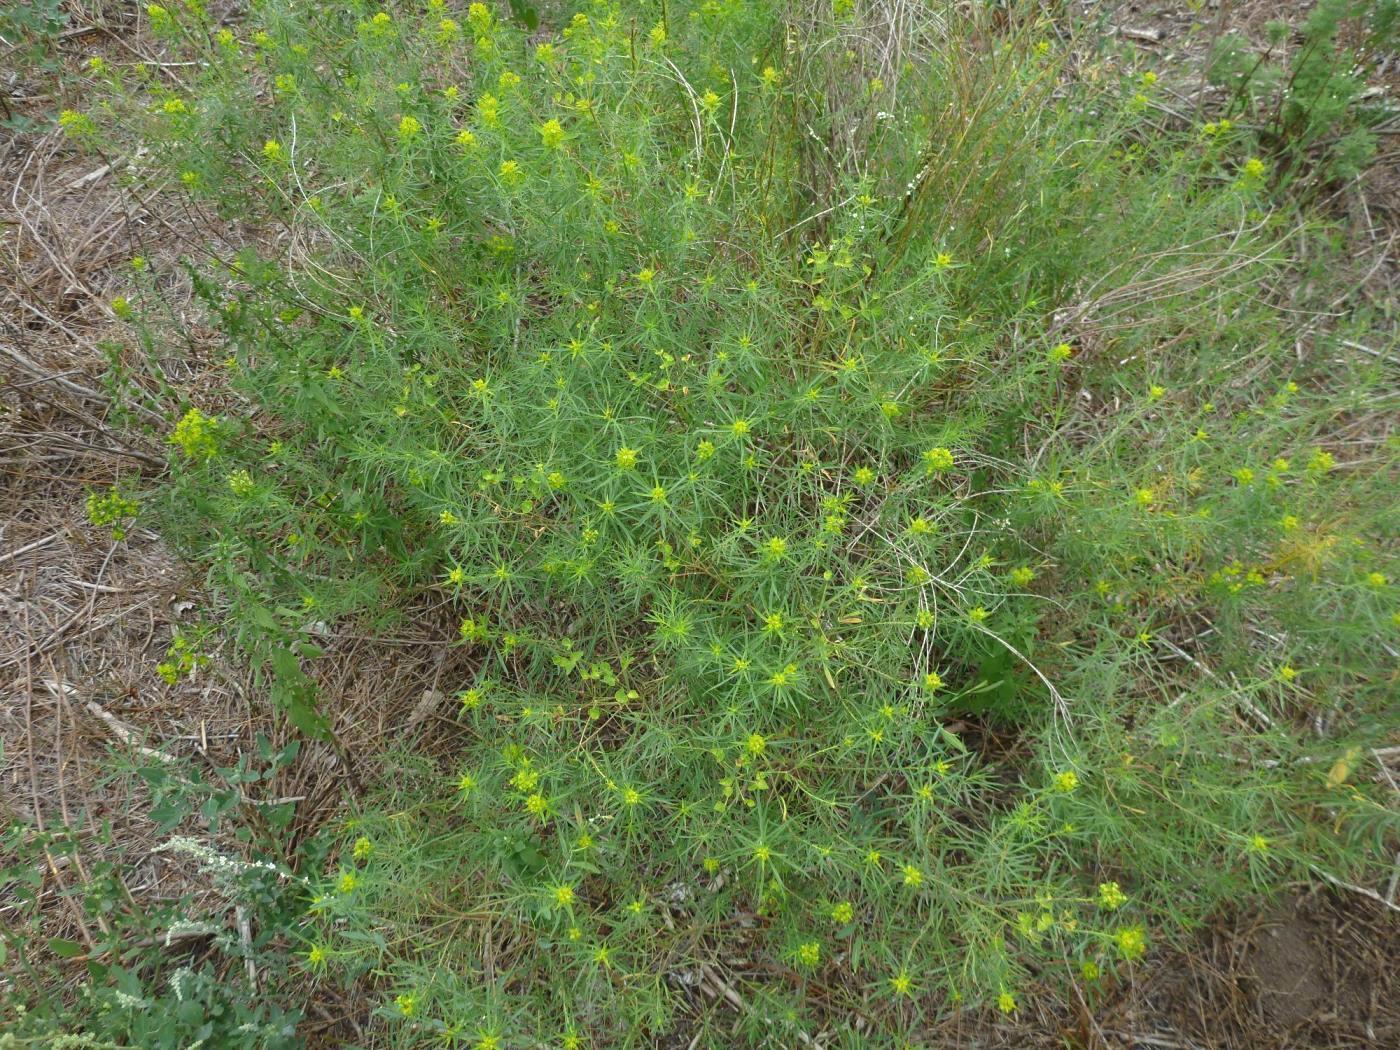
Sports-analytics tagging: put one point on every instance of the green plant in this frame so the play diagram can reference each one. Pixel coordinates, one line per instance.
(169, 975)
(29, 34)
(29, 31)
(1313, 102)
(901, 552)
(112, 508)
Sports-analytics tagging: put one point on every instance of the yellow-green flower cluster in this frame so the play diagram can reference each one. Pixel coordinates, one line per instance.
(196, 435)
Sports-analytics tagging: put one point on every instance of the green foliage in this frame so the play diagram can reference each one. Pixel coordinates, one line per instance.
(29, 30)
(880, 518)
(171, 976)
(1313, 101)
(29, 33)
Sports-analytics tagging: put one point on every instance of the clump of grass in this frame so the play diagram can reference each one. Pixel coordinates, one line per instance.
(907, 567)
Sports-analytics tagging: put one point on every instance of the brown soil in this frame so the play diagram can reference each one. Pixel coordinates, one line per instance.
(1286, 968)
(1314, 971)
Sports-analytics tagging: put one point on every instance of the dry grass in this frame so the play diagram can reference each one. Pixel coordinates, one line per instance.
(84, 619)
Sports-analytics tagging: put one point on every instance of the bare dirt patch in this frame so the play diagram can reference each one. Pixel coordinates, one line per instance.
(1285, 968)
(1314, 970)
